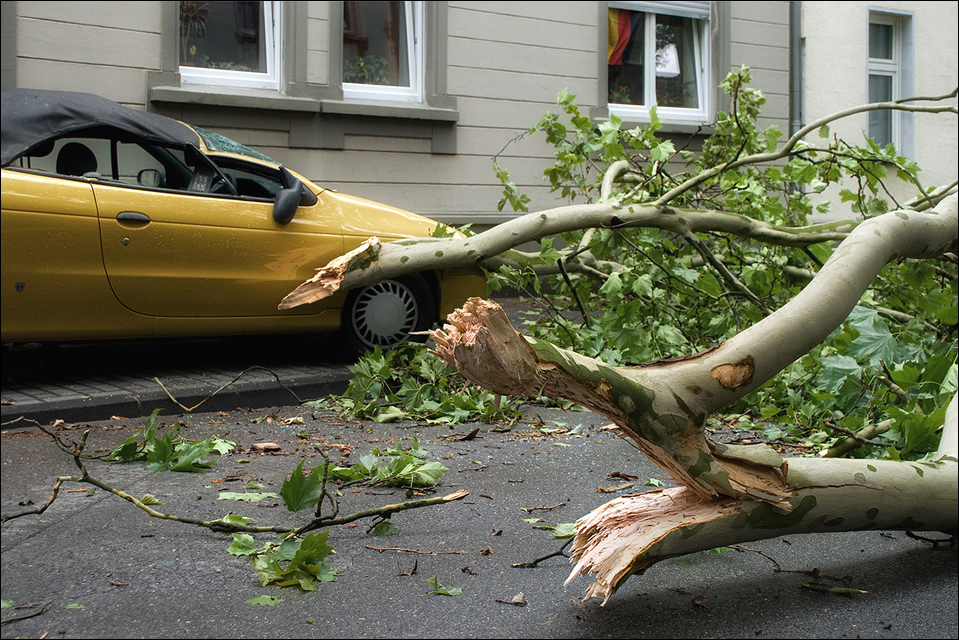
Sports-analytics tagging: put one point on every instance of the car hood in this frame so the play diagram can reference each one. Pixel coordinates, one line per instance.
(363, 218)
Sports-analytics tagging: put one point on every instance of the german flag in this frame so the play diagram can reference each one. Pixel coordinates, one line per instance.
(623, 25)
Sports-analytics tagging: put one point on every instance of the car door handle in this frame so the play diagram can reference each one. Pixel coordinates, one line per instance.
(134, 217)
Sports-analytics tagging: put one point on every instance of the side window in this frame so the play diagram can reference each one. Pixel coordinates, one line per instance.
(75, 157)
(251, 181)
(233, 44)
(383, 51)
(137, 167)
(658, 54)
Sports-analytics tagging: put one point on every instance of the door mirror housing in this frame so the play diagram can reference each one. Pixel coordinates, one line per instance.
(293, 194)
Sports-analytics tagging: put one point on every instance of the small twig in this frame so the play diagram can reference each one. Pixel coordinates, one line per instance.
(815, 572)
(238, 376)
(485, 551)
(324, 491)
(43, 609)
(39, 510)
(935, 543)
(380, 512)
(572, 289)
(534, 563)
(532, 509)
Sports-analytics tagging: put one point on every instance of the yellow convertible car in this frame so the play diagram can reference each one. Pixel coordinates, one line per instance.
(119, 223)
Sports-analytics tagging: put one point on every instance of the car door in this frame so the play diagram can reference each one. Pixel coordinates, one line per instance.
(181, 254)
(53, 283)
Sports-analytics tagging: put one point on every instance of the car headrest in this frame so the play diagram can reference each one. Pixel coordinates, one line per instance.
(76, 159)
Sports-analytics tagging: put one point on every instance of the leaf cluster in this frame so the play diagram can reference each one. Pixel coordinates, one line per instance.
(169, 451)
(301, 561)
(410, 383)
(292, 562)
(393, 467)
(629, 295)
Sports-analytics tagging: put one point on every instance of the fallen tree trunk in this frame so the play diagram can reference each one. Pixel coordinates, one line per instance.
(729, 493)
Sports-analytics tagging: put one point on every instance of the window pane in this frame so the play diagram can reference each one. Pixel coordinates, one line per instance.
(375, 42)
(880, 122)
(222, 35)
(625, 55)
(880, 41)
(676, 63)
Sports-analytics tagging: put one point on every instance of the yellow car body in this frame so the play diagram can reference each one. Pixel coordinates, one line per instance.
(102, 255)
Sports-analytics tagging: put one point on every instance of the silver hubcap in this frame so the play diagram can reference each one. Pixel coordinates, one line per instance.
(384, 314)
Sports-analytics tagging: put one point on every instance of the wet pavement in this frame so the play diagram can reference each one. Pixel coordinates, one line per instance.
(93, 565)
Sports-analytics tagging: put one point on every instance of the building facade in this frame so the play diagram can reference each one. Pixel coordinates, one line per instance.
(408, 102)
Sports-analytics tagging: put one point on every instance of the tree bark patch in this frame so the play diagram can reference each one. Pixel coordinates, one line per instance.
(733, 376)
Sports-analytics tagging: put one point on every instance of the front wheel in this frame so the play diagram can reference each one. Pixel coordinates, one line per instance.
(384, 314)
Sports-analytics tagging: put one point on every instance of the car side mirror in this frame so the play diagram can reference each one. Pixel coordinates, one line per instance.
(151, 178)
(291, 196)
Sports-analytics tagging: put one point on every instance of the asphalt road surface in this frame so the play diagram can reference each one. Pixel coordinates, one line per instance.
(94, 566)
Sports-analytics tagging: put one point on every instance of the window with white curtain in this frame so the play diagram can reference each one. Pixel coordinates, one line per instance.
(658, 54)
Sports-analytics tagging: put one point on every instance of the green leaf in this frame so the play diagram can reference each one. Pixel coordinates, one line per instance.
(188, 456)
(243, 545)
(564, 530)
(390, 414)
(836, 370)
(428, 473)
(300, 491)
(126, 452)
(875, 342)
(442, 590)
(161, 454)
(236, 520)
(267, 568)
(312, 549)
(662, 151)
(222, 447)
(385, 528)
(266, 601)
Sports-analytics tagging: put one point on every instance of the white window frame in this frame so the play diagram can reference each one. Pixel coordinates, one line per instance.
(890, 68)
(701, 51)
(416, 23)
(273, 40)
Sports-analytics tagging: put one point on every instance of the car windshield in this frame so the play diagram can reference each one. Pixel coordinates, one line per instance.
(216, 142)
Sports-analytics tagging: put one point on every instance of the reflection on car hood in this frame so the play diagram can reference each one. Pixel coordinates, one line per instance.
(32, 116)
(363, 218)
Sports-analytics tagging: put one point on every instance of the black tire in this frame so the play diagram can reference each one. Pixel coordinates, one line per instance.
(384, 314)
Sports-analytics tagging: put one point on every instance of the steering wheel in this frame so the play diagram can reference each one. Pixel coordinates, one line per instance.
(206, 180)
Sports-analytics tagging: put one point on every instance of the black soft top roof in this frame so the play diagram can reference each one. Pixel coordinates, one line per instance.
(32, 116)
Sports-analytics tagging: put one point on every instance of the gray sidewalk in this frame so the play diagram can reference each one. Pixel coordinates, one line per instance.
(100, 395)
(95, 381)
